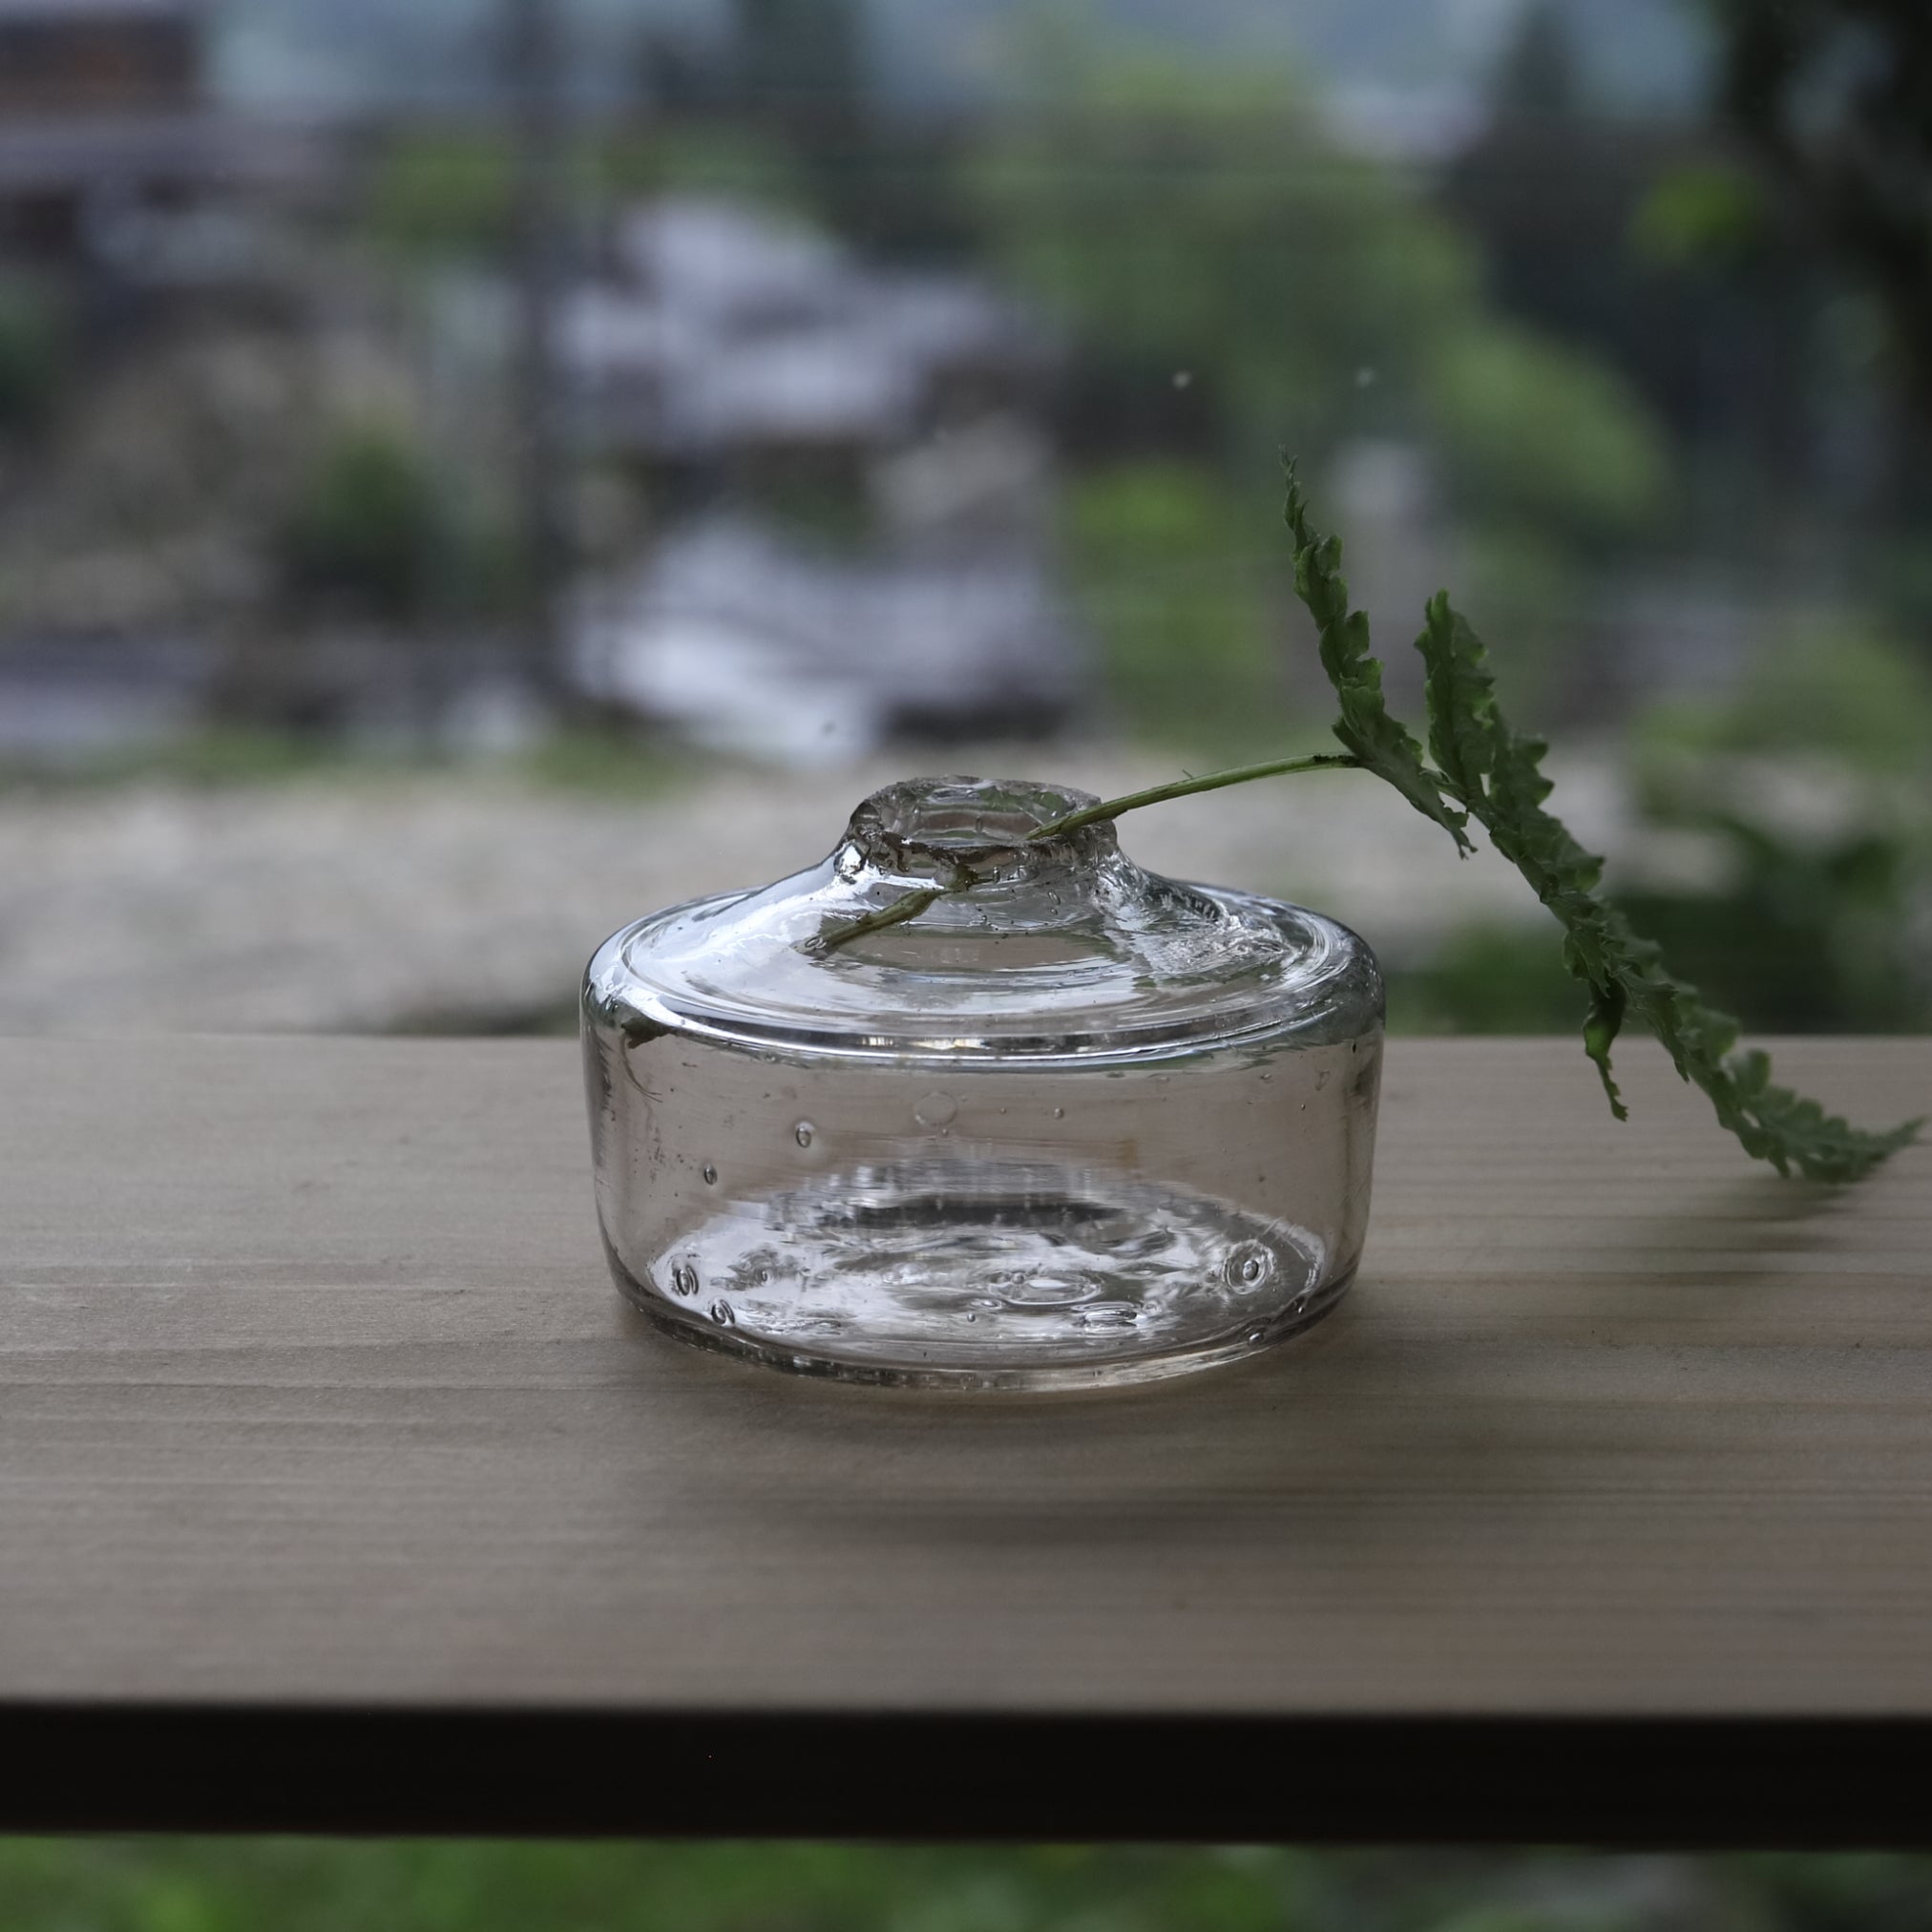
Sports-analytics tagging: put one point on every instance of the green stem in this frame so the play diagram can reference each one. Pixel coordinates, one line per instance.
(909, 905)
(1184, 787)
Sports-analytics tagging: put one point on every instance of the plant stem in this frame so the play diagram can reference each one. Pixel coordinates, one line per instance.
(1183, 787)
(909, 905)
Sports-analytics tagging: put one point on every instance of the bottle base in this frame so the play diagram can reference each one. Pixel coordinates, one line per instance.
(947, 1362)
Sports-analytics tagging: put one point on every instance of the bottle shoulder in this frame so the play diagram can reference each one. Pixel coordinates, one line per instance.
(1007, 946)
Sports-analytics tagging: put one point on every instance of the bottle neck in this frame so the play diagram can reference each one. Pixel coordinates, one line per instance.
(963, 833)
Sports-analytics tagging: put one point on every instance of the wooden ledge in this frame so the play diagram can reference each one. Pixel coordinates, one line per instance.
(338, 1490)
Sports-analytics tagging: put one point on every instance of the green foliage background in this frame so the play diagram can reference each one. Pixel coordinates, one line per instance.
(33, 352)
(1187, 217)
(1179, 576)
(1232, 279)
(290, 1885)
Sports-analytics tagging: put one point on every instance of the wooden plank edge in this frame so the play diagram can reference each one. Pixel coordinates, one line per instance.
(1624, 1783)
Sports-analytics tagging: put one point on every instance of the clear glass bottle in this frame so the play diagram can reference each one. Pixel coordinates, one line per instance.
(1060, 1124)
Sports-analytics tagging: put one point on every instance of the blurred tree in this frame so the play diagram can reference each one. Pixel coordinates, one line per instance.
(532, 72)
(1176, 573)
(1487, 978)
(1642, 244)
(1541, 436)
(176, 1884)
(1196, 226)
(700, 153)
(1538, 72)
(1823, 690)
(441, 194)
(1208, 240)
(1807, 935)
(1808, 787)
(803, 72)
(680, 72)
(801, 66)
(32, 354)
(1234, 281)
(1803, 797)
(1837, 97)
(367, 524)
(436, 197)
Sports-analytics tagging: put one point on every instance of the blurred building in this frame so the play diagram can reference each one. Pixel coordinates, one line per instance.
(148, 270)
(107, 131)
(721, 332)
(63, 57)
(748, 642)
(852, 483)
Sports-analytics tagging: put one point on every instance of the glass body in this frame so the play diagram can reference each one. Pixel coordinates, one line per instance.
(959, 1106)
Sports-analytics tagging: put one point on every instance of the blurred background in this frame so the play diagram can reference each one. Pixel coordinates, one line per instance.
(473, 472)
(203, 1886)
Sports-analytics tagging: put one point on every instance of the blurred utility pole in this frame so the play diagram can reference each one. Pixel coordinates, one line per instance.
(802, 71)
(532, 71)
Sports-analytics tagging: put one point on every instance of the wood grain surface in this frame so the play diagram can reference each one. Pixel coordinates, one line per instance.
(317, 1406)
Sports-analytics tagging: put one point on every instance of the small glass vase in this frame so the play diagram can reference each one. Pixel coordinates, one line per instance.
(1059, 1123)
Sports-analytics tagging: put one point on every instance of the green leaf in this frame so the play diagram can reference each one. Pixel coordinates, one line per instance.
(1460, 696)
(1366, 729)
(1602, 1021)
(1487, 771)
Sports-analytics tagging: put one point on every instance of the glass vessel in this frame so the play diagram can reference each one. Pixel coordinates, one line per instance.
(958, 1106)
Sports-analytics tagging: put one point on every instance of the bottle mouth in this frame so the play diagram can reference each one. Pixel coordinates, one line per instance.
(925, 823)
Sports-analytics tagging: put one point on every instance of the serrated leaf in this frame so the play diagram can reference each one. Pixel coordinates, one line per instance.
(1487, 771)
(1602, 1024)
(1366, 729)
(1461, 694)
